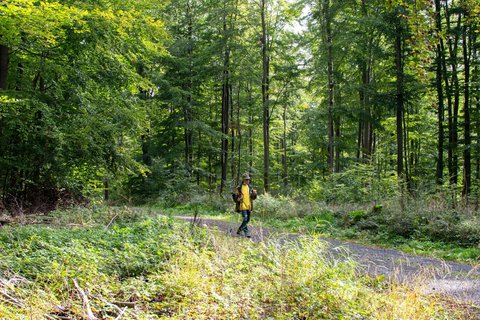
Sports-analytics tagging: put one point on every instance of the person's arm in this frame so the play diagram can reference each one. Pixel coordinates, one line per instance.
(253, 194)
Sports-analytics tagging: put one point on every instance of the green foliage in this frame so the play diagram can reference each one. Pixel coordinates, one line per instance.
(386, 224)
(268, 206)
(122, 250)
(71, 114)
(358, 184)
(165, 271)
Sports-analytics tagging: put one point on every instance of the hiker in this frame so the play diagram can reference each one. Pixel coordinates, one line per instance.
(245, 195)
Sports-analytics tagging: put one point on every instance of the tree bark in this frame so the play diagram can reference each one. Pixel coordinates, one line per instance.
(467, 171)
(265, 98)
(225, 106)
(188, 133)
(239, 155)
(331, 85)
(441, 107)
(284, 149)
(365, 129)
(399, 98)
(453, 109)
(3, 67)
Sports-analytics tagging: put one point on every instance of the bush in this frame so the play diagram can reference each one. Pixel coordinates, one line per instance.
(267, 206)
(358, 184)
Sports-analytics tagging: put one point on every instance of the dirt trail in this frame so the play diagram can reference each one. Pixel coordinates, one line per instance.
(460, 281)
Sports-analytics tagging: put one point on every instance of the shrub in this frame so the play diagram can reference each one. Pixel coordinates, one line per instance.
(358, 184)
(267, 206)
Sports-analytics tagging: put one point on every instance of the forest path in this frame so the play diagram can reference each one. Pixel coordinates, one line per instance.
(461, 281)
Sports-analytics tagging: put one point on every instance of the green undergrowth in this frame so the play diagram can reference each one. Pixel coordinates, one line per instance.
(130, 264)
(422, 227)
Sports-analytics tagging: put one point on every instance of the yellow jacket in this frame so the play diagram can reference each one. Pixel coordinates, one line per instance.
(245, 201)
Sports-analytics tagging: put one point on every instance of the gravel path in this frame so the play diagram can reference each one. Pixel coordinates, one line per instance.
(460, 281)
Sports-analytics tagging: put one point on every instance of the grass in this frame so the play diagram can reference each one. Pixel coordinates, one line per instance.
(121, 263)
(439, 233)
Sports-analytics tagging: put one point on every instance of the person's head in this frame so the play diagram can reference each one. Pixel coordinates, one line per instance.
(246, 178)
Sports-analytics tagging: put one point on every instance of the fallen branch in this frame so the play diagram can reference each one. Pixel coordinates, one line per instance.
(117, 306)
(86, 303)
(8, 298)
(121, 314)
(108, 225)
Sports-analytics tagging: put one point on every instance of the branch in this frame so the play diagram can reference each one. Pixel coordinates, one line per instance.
(108, 225)
(11, 300)
(121, 314)
(86, 303)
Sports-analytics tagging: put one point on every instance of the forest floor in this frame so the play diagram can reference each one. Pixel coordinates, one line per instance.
(435, 276)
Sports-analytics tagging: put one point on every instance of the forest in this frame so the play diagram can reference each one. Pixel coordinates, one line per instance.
(327, 100)
(355, 119)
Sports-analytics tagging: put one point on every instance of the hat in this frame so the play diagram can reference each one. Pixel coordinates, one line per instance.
(245, 176)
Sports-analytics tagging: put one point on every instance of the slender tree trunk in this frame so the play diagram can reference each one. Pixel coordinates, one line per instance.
(467, 171)
(188, 132)
(233, 127)
(331, 85)
(239, 155)
(250, 142)
(365, 124)
(3, 67)
(198, 157)
(284, 149)
(453, 110)
(250, 129)
(338, 128)
(456, 107)
(399, 99)
(476, 96)
(225, 106)
(265, 98)
(106, 191)
(441, 107)
(448, 94)
(359, 133)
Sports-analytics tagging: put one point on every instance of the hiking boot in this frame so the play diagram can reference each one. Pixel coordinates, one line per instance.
(247, 234)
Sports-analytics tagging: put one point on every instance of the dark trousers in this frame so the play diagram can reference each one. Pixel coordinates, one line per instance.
(245, 219)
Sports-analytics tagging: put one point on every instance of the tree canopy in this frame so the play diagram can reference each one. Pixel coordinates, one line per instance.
(330, 100)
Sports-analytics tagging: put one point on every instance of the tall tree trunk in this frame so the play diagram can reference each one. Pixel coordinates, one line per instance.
(399, 99)
(265, 98)
(453, 110)
(441, 113)
(456, 107)
(188, 132)
(233, 127)
(331, 84)
(467, 171)
(364, 143)
(225, 105)
(3, 67)
(250, 142)
(250, 128)
(239, 155)
(198, 157)
(476, 96)
(284, 149)
(337, 124)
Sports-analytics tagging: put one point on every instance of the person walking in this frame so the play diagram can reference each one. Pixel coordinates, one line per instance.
(244, 204)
